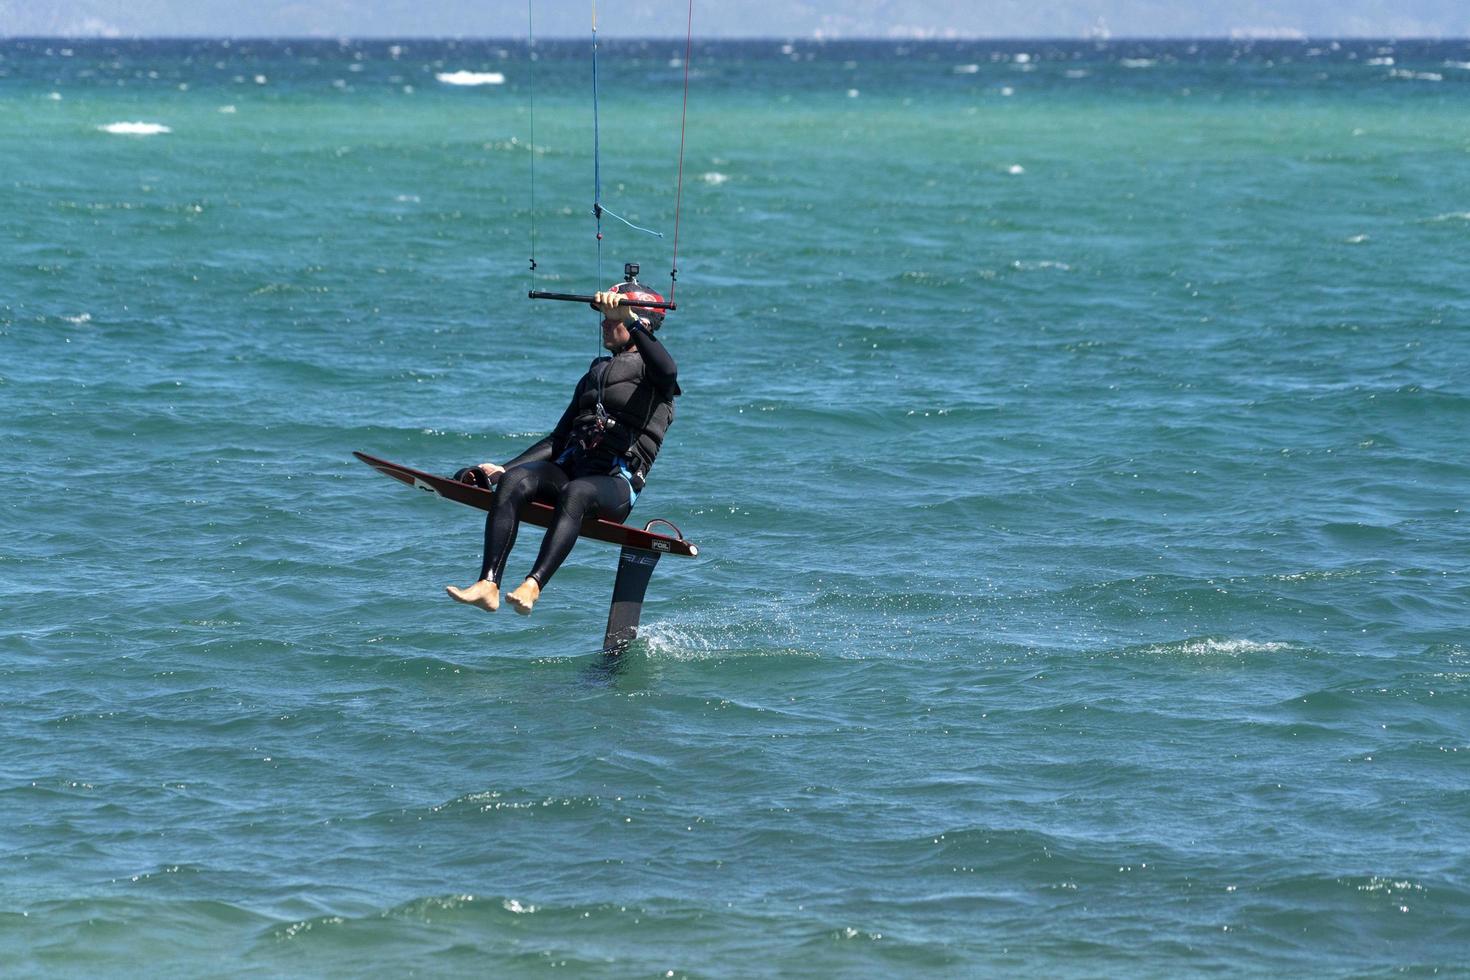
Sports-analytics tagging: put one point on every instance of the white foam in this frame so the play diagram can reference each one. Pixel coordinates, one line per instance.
(1378, 62)
(1419, 76)
(1138, 62)
(966, 69)
(135, 128)
(471, 77)
(1015, 170)
(1453, 216)
(711, 641)
(677, 643)
(714, 178)
(1463, 65)
(1212, 648)
(79, 319)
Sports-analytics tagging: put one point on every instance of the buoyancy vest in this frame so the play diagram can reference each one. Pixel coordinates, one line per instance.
(641, 414)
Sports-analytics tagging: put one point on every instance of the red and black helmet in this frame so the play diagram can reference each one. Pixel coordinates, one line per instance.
(635, 290)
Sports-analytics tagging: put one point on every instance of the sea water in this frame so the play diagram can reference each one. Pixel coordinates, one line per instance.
(1073, 435)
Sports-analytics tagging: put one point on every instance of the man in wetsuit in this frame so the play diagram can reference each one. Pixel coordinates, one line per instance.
(595, 461)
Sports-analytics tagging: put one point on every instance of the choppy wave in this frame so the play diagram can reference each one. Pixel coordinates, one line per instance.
(471, 77)
(1082, 568)
(1213, 647)
(135, 128)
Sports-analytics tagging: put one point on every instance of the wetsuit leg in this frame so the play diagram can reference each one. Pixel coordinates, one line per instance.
(608, 497)
(518, 486)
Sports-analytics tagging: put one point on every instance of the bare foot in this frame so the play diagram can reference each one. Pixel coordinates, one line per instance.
(525, 596)
(484, 593)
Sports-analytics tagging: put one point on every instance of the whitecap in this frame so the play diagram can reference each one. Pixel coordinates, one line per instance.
(1419, 76)
(471, 77)
(1138, 62)
(1452, 216)
(1076, 73)
(407, 199)
(1356, 239)
(1463, 65)
(714, 178)
(1211, 647)
(54, 96)
(966, 69)
(228, 110)
(852, 93)
(79, 319)
(1378, 62)
(135, 128)
(1015, 170)
(1006, 90)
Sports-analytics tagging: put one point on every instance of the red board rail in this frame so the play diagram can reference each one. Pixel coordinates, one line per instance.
(624, 535)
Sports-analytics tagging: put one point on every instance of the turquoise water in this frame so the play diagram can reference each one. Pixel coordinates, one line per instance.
(1074, 443)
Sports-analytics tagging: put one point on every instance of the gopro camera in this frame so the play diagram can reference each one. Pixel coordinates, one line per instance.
(630, 272)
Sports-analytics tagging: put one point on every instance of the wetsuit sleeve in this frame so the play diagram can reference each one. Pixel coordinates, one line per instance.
(549, 447)
(657, 361)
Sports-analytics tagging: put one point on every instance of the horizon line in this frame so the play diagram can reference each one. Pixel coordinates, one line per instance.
(1264, 35)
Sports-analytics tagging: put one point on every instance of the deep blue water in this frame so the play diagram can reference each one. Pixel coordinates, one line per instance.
(1072, 433)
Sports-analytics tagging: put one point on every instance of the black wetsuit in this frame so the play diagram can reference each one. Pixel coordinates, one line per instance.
(581, 474)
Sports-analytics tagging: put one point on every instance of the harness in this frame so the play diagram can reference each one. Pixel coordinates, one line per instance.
(629, 438)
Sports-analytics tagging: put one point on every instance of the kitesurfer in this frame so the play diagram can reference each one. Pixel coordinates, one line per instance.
(594, 463)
